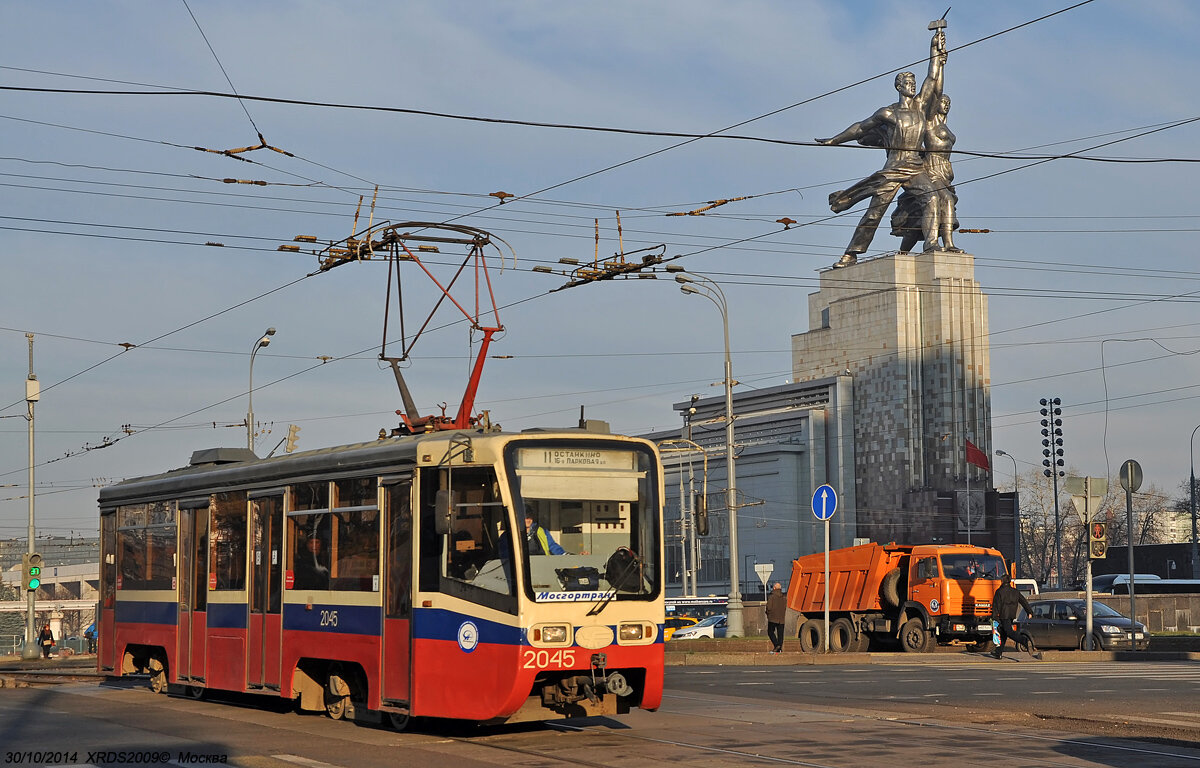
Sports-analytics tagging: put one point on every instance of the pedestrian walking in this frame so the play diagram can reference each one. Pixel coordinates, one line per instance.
(1004, 613)
(46, 641)
(776, 613)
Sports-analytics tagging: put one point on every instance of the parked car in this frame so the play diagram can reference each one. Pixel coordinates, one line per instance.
(675, 623)
(713, 626)
(1062, 624)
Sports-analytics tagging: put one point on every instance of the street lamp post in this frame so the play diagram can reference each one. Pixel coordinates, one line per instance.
(1192, 494)
(1016, 512)
(262, 342)
(32, 395)
(703, 286)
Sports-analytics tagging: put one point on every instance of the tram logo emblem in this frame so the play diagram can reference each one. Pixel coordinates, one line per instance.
(468, 636)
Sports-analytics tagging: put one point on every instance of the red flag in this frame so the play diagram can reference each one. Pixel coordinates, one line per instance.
(977, 457)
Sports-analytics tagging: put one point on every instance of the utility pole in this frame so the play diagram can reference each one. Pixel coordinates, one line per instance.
(32, 395)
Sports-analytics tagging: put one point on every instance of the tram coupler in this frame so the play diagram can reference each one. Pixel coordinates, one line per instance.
(613, 682)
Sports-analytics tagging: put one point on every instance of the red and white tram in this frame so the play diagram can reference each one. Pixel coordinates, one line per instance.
(385, 576)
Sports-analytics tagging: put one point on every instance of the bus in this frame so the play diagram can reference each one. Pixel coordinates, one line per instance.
(385, 577)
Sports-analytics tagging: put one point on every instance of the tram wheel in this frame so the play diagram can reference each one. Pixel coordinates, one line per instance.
(397, 721)
(196, 692)
(337, 699)
(158, 676)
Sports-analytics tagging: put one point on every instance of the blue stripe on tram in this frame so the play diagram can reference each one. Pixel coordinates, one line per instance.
(342, 619)
(145, 612)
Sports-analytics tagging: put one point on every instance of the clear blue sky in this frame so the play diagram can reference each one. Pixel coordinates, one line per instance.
(1090, 266)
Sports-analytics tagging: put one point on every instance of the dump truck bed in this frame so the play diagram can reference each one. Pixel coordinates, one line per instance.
(855, 577)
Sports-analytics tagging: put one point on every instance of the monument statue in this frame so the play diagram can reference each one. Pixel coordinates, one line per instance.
(908, 220)
(903, 129)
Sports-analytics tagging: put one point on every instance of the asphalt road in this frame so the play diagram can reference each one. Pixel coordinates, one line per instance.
(1135, 699)
(926, 714)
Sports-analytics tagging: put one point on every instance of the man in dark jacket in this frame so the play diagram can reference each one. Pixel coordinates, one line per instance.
(1004, 612)
(776, 613)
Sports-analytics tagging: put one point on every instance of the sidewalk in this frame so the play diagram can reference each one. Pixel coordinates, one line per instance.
(754, 651)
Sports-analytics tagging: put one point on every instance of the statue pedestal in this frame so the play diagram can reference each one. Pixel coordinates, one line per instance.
(912, 331)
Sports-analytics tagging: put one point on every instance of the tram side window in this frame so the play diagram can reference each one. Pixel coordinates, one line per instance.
(336, 548)
(308, 553)
(356, 551)
(475, 557)
(356, 529)
(146, 537)
(227, 550)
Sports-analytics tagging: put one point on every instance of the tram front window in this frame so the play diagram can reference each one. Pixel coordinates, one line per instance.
(589, 519)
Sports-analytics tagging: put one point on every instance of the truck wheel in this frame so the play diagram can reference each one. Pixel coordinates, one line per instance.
(841, 635)
(812, 636)
(861, 643)
(914, 638)
(889, 589)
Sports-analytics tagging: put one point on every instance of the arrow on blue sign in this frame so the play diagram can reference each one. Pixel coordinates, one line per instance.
(824, 502)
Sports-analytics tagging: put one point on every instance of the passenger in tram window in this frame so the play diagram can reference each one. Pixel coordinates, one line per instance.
(309, 570)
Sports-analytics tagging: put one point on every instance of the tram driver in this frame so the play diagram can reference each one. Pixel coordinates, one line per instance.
(539, 541)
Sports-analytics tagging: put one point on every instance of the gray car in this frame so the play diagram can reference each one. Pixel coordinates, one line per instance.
(1062, 624)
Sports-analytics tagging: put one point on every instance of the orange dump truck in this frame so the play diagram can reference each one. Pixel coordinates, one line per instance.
(879, 594)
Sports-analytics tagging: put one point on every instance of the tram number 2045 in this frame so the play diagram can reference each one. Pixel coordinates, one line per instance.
(548, 659)
(328, 618)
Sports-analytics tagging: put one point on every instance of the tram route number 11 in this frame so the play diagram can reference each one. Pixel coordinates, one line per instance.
(548, 659)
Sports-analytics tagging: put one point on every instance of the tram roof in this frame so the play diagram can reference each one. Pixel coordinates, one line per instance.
(212, 470)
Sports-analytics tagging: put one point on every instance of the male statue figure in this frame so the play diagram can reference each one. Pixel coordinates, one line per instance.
(900, 129)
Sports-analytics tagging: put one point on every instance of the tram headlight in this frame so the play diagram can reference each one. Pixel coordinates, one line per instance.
(639, 632)
(551, 634)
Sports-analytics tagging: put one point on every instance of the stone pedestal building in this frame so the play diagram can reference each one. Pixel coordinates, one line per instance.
(911, 330)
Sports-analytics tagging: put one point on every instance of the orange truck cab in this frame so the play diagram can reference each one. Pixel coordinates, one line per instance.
(881, 595)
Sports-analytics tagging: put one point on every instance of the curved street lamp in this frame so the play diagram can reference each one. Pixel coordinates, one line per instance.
(262, 342)
(1192, 494)
(1016, 512)
(699, 285)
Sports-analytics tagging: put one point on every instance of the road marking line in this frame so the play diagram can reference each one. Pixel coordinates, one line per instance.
(304, 761)
(1044, 693)
(1159, 721)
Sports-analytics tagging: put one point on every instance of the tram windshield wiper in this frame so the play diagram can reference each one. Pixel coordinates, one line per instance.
(621, 566)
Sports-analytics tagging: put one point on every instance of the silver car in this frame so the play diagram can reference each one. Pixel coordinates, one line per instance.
(713, 626)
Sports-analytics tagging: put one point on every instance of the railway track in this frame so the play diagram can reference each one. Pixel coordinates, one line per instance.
(18, 677)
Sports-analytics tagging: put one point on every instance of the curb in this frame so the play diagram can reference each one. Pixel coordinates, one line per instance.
(792, 659)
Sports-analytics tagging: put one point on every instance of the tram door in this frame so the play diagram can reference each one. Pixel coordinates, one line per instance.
(193, 593)
(106, 625)
(397, 622)
(263, 644)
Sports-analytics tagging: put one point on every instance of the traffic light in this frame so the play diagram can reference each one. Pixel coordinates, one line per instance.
(701, 515)
(1052, 437)
(31, 571)
(291, 438)
(1097, 540)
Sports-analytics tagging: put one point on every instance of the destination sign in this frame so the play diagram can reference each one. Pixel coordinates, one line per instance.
(573, 458)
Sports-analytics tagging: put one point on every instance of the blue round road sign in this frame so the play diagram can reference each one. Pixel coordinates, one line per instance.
(824, 502)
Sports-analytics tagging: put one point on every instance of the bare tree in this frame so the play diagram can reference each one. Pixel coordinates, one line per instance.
(1151, 511)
